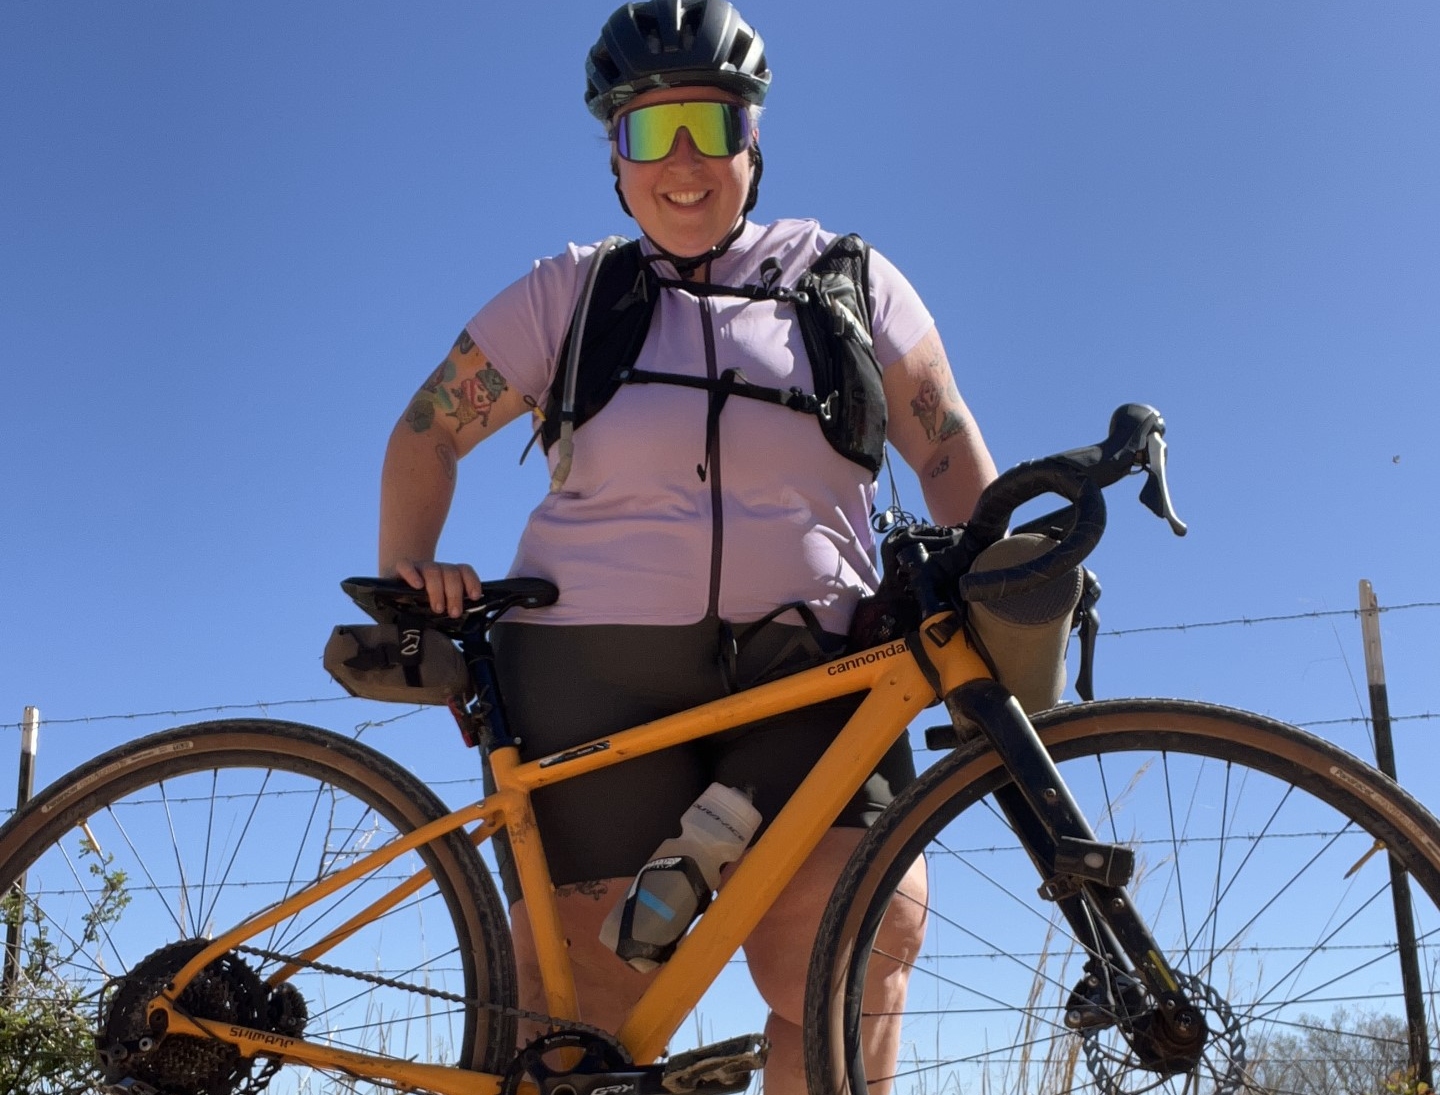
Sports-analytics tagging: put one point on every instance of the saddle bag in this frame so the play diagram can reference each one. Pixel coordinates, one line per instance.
(396, 663)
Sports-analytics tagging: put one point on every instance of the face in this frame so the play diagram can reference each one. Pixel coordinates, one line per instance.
(687, 202)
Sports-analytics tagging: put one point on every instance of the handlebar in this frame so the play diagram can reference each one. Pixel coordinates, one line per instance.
(1136, 441)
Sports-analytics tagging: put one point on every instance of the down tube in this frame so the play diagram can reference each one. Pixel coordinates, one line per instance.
(898, 694)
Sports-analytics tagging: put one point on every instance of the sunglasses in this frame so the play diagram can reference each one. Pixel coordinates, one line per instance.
(649, 133)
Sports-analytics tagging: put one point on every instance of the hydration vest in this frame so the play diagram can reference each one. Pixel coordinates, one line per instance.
(832, 305)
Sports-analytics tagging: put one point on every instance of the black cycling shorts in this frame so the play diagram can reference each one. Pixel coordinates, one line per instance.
(565, 685)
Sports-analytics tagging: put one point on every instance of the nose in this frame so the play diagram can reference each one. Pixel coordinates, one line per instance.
(683, 150)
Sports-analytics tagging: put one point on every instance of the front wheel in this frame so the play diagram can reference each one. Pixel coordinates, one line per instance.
(116, 873)
(1261, 872)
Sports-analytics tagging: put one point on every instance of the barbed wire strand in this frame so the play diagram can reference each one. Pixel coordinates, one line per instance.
(1249, 621)
(1242, 621)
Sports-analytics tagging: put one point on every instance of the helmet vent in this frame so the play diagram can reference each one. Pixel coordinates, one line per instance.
(690, 20)
(740, 50)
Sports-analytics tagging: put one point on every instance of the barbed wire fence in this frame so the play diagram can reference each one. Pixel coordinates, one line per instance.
(265, 706)
(470, 781)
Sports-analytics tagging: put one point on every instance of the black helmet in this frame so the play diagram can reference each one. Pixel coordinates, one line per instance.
(674, 43)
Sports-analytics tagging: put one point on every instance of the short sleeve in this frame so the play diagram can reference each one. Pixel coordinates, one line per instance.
(521, 329)
(898, 317)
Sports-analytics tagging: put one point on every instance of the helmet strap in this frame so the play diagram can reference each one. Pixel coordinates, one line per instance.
(757, 168)
(687, 266)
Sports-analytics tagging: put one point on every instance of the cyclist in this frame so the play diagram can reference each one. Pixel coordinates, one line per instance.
(680, 521)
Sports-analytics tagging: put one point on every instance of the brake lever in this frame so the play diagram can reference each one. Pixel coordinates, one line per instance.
(1155, 494)
(1087, 615)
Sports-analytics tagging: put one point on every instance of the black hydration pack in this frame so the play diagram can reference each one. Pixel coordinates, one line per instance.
(831, 301)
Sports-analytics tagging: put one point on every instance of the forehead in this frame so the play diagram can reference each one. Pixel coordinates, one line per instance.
(698, 94)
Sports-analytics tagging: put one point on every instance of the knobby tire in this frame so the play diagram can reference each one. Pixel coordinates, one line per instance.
(183, 834)
(1245, 829)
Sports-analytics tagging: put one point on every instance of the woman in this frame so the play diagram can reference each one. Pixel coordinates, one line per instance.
(678, 519)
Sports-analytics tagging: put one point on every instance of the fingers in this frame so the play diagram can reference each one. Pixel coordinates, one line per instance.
(448, 585)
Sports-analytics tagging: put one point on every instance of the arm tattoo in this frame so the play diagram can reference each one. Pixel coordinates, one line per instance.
(432, 394)
(464, 343)
(940, 468)
(939, 421)
(447, 461)
(476, 396)
(421, 413)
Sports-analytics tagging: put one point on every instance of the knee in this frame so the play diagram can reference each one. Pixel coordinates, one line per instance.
(778, 950)
(902, 933)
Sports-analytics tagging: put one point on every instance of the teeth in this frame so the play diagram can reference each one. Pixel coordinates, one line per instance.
(687, 197)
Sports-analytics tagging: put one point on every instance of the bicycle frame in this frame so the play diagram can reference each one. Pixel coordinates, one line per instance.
(898, 691)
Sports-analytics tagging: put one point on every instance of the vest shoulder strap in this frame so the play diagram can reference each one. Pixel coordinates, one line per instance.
(832, 304)
(621, 307)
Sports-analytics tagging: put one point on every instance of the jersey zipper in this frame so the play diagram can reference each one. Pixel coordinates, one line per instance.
(712, 464)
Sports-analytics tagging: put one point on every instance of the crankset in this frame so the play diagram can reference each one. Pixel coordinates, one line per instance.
(590, 1062)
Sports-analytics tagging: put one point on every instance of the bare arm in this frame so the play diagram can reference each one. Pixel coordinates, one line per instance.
(463, 402)
(931, 428)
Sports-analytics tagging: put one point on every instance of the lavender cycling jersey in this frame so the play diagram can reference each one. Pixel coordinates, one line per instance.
(637, 535)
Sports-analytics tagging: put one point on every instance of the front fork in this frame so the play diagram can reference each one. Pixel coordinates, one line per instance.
(1086, 878)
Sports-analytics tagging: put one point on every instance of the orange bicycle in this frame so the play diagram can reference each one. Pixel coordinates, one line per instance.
(1124, 896)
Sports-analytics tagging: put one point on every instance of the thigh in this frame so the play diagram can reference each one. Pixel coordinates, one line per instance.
(564, 686)
(769, 759)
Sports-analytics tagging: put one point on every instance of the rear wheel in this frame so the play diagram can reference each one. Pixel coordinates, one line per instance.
(1261, 872)
(115, 872)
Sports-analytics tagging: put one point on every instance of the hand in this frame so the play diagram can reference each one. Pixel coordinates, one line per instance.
(448, 584)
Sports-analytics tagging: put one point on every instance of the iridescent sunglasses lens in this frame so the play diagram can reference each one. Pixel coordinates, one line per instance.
(649, 133)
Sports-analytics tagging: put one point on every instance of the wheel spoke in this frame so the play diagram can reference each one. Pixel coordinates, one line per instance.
(190, 846)
(1243, 829)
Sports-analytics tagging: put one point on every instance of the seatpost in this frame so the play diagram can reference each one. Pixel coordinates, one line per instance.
(487, 725)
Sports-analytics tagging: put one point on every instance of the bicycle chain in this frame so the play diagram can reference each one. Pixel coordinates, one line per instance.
(438, 994)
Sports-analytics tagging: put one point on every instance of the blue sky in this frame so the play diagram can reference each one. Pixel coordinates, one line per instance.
(235, 237)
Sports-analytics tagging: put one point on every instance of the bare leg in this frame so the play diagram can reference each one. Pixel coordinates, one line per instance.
(605, 987)
(779, 955)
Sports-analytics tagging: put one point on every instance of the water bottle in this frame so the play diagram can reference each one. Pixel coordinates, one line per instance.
(676, 885)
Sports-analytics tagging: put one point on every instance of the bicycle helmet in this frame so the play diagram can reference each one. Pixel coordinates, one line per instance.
(674, 43)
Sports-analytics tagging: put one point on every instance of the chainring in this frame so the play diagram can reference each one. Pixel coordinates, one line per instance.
(599, 1053)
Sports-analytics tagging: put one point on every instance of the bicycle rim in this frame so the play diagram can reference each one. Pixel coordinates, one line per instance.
(1261, 873)
(182, 835)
